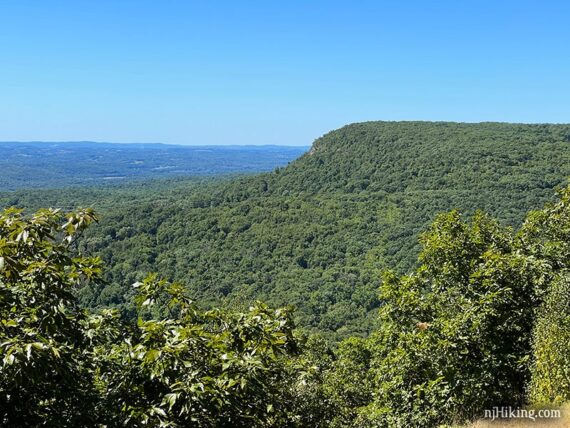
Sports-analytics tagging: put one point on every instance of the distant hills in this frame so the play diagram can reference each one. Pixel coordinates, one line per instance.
(45, 165)
(317, 233)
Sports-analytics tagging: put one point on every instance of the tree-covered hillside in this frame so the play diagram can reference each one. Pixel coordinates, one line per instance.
(317, 233)
(481, 324)
(431, 156)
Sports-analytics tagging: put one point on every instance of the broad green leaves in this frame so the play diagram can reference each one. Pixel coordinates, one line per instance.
(44, 373)
(455, 336)
(458, 335)
(199, 369)
(178, 366)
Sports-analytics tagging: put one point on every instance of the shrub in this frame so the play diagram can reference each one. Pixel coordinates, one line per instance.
(551, 347)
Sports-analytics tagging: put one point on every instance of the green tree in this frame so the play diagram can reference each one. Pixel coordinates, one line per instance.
(454, 336)
(177, 366)
(44, 375)
(551, 347)
(197, 368)
(546, 235)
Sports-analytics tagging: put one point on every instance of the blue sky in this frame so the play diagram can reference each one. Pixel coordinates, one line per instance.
(269, 72)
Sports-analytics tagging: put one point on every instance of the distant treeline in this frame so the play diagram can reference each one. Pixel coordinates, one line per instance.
(48, 165)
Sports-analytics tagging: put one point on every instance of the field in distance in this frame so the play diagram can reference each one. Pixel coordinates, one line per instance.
(49, 165)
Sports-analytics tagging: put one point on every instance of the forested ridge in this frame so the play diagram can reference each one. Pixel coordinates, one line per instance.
(405, 300)
(317, 233)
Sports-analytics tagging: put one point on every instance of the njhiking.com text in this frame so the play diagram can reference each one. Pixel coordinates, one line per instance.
(514, 413)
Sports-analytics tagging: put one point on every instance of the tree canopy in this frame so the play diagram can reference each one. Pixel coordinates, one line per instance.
(361, 324)
(318, 233)
(481, 322)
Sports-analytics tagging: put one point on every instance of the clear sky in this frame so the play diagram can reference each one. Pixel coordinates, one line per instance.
(274, 72)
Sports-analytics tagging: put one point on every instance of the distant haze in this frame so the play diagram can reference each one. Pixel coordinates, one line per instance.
(45, 165)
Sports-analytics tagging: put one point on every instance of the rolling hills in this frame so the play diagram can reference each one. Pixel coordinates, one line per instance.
(317, 233)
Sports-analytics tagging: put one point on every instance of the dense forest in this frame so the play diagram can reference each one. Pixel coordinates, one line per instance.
(482, 322)
(396, 275)
(203, 225)
(318, 233)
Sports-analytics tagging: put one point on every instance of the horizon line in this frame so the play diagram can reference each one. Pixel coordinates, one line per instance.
(149, 143)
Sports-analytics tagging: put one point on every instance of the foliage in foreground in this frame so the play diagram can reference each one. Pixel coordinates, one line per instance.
(67, 367)
(482, 321)
(455, 337)
(551, 369)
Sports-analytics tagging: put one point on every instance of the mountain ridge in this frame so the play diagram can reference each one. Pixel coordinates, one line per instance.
(317, 233)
